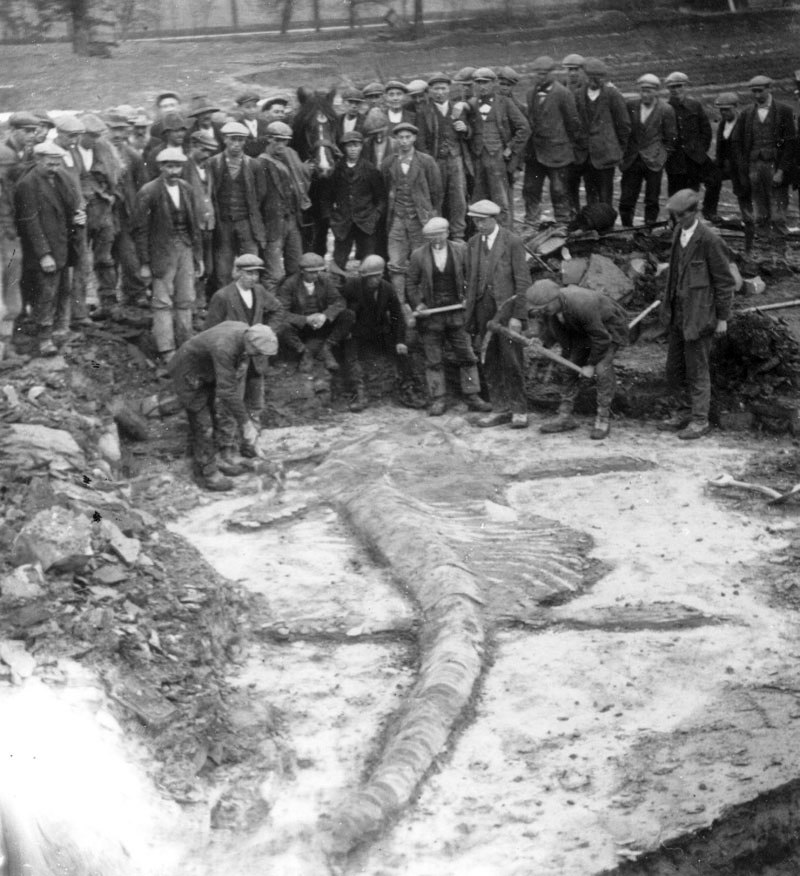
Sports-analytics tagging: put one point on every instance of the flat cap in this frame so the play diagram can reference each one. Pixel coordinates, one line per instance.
(126, 110)
(483, 209)
(171, 153)
(205, 139)
(543, 64)
(371, 266)
(271, 101)
(417, 86)
(310, 261)
(234, 129)
(172, 94)
(200, 105)
(484, 74)
(352, 137)
(376, 120)
(23, 120)
(396, 83)
(48, 147)
(648, 80)
(262, 338)
(438, 76)
(573, 60)
(248, 260)
(508, 74)
(45, 119)
(759, 82)
(595, 67)
(93, 124)
(465, 74)
(373, 89)
(247, 97)
(726, 98)
(115, 120)
(278, 129)
(173, 121)
(405, 126)
(69, 124)
(683, 201)
(676, 78)
(437, 225)
(542, 292)
(141, 121)
(352, 94)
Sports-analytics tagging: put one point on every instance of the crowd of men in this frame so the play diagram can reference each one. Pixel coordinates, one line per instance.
(198, 209)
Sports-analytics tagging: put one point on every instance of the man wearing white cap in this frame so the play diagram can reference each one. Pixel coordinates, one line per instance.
(497, 277)
(168, 244)
(238, 190)
(207, 375)
(653, 133)
(47, 208)
(437, 277)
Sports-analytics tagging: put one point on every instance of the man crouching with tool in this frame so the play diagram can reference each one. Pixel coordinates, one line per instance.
(590, 327)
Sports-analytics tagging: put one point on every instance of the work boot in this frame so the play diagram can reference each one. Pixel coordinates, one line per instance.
(499, 418)
(437, 408)
(229, 465)
(562, 423)
(693, 431)
(600, 429)
(359, 402)
(216, 482)
(328, 359)
(476, 403)
(519, 421)
(674, 424)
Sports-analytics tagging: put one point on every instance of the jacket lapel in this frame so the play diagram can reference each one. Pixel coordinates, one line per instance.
(496, 252)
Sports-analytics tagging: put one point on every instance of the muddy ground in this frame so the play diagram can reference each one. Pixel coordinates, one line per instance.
(227, 704)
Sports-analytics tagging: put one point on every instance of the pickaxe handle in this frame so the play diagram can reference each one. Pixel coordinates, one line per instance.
(432, 310)
(648, 310)
(526, 342)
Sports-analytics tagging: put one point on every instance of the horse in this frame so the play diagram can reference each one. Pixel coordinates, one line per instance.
(314, 140)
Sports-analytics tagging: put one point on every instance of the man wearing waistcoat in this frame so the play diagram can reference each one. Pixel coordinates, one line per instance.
(695, 307)
(237, 187)
(202, 145)
(768, 143)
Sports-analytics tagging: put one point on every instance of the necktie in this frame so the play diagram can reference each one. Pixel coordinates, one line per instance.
(485, 244)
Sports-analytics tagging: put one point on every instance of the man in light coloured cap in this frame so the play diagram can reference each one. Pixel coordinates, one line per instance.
(768, 140)
(444, 132)
(357, 201)
(574, 64)
(653, 133)
(604, 116)
(207, 373)
(238, 191)
(695, 307)
(394, 100)
(47, 208)
(379, 330)
(731, 164)
(497, 277)
(170, 253)
(499, 134)
(437, 277)
(557, 136)
(589, 327)
(246, 300)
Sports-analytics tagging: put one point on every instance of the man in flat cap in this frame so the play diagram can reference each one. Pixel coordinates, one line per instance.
(575, 66)
(653, 133)
(589, 327)
(394, 100)
(22, 128)
(444, 133)
(275, 109)
(286, 181)
(373, 95)
(497, 277)
(499, 134)
(47, 208)
(507, 80)
(207, 376)
(316, 317)
(202, 145)
(731, 164)
(695, 307)
(238, 190)
(246, 300)
(437, 277)
(604, 116)
(248, 114)
(768, 142)
(414, 190)
(170, 253)
(378, 329)
(417, 95)
(172, 127)
(358, 201)
(463, 85)
(557, 135)
(352, 119)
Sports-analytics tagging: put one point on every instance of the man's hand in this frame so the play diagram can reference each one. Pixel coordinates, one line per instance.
(200, 269)
(507, 153)
(250, 432)
(401, 349)
(588, 371)
(515, 325)
(48, 264)
(777, 178)
(460, 126)
(79, 218)
(145, 273)
(721, 329)
(316, 320)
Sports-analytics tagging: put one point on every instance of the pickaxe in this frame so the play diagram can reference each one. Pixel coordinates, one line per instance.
(517, 338)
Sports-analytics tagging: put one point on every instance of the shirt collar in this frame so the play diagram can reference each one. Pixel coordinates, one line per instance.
(490, 238)
(686, 233)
